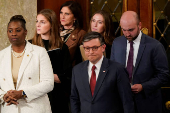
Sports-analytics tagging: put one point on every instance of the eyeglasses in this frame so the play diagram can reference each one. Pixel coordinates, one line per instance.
(94, 48)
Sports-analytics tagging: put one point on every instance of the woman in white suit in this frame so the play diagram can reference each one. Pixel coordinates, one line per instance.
(26, 75)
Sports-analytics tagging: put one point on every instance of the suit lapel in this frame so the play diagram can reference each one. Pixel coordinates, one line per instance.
(85, 78)
(140, 52)
(8, 70)
(102, 74)
(25, 61)
(72, 38)
(124, 47)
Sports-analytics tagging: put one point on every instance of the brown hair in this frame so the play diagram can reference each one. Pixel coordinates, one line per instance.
(55, 40)
(108, 26)
(93, 35)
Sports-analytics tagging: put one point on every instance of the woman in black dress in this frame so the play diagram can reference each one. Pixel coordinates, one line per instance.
(47, 35)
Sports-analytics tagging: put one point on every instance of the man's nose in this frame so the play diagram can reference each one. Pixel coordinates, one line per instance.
(127, 33)
(91, 50)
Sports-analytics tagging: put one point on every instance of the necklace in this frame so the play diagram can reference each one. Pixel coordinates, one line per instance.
(18, 55)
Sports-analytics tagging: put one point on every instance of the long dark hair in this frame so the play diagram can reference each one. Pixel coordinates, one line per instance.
(55, 40)
(76, 9)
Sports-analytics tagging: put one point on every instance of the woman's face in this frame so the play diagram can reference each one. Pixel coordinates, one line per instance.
(66, 17)
(16, 33)
(43, 25)
(97, 23)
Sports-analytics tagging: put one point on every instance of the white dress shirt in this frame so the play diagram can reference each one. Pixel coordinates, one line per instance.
(97, 70)
(136, 44)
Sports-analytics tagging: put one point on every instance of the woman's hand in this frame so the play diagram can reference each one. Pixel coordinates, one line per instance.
(9, 99)
(15, 94)
(12, 96)
(56, 79)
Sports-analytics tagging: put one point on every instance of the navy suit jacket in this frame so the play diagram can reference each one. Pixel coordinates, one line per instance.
(112, 91)
(151, 70)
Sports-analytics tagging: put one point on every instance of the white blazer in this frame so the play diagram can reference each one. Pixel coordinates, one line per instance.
(35, 77)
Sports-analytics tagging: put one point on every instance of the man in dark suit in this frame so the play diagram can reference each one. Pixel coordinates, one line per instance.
(99, 85)
(145, 60)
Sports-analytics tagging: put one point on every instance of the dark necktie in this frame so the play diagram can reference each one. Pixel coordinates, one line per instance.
(130, 61)
(93, 80)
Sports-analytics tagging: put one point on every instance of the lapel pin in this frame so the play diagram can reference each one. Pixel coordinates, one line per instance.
(28, 55)
(104, 71)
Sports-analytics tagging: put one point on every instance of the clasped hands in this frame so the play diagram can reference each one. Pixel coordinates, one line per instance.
(12, 96)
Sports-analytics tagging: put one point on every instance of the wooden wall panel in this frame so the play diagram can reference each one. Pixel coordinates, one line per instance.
(85, 4)
(133, 5)
(146, 15)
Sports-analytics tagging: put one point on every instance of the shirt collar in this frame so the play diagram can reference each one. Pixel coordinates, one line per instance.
(137, 40)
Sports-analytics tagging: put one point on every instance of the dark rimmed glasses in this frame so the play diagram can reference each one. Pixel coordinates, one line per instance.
(94, 48)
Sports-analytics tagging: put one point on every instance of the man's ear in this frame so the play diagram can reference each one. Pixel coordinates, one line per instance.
(103, 47)
(140, 25)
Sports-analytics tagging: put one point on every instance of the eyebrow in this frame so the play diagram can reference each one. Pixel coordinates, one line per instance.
(97, 20)
(41, 20)
(65, 12)
(128, 29)
(14, 28)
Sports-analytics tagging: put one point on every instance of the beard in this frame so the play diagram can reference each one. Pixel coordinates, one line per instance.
(131, 38)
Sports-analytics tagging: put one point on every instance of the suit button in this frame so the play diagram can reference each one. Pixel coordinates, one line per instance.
(92, 102)
(29, 78)
(4, 79)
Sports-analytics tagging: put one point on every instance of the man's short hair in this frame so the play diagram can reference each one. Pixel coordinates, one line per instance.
(93, 35)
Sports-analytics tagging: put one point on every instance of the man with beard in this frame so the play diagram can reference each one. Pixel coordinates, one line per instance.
(146, 62)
